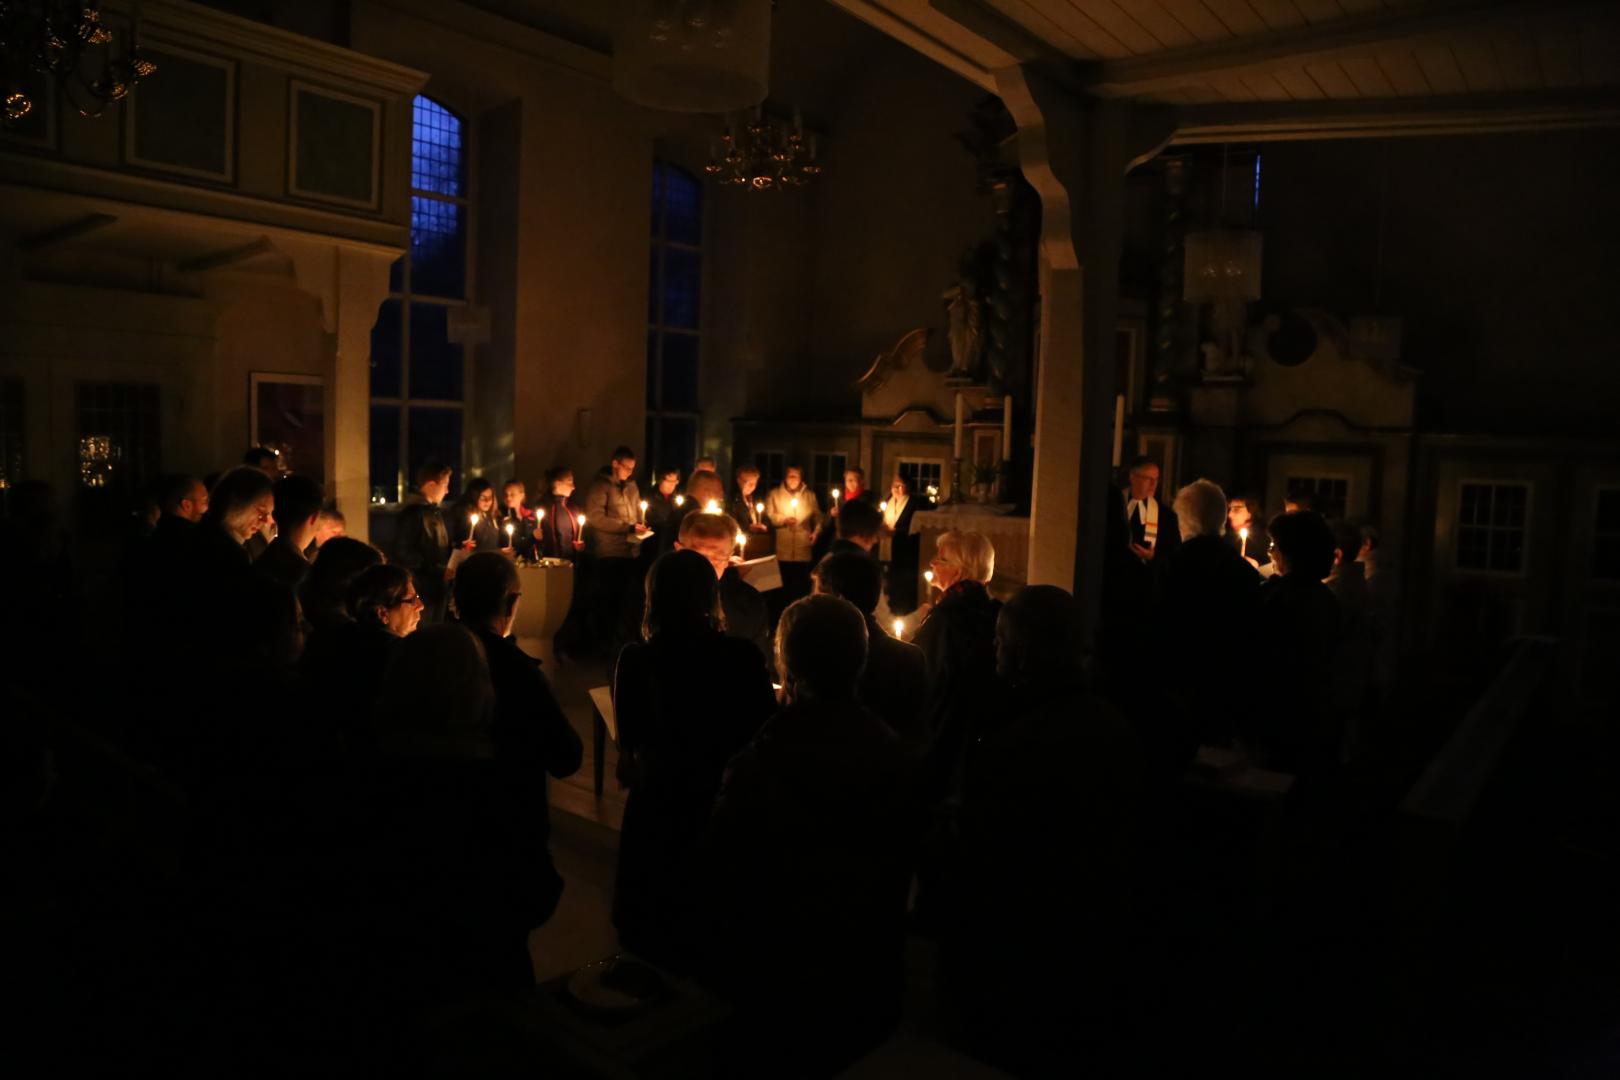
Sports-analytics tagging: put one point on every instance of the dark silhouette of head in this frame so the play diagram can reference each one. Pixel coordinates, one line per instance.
(298, 505)
(821, 649)
(852, 577)
(1304, 543)
(860, 523)
(487, 590)
(239, 501)
(325, 591)
(262, 458)
(1038, 635)
(683, 595)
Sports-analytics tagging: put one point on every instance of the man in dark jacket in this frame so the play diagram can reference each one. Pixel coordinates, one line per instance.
(860, 527)
(895, 682)
(422, 543)
(809, 856)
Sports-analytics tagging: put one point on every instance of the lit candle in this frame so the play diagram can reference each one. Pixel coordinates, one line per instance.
(581, 520)
(510, 529)
(680, 500)
(711, 507)
(1243, 541)
(928, 576)
(759, 512)
(472, 524)
(835, 498)
(539, 515)
(742, 543)
(793, 505)
(644, 511)
(883, 506)
(899, 628)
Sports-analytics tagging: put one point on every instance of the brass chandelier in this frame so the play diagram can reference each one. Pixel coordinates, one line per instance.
(54, 38)
(763, 154)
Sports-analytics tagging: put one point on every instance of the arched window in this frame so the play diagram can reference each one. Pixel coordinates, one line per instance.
(418, 370)
(674, 310)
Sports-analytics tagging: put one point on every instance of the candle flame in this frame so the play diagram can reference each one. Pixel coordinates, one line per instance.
(680, 500)
(472, 519)
(928, 576)
(711, 507)
(1244, 532)
(581, 521)
(899, 628)
(884, 506)
(539, 515)
(510, 529)
(759, 508)
(835, 493)
(644, 506)
(742, 539)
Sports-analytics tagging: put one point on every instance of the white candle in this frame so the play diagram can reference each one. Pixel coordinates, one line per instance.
(1006, 427)
(539, 515)
(1243, 541)
(644, 511)
(793, 506)
(581, 520)
(928, 576)
(510, 529)
(835, 494)
(742, 542)
(956, 442)
(883, 507)
(899, 628)
(1119, 428)
(680, 500)
(711, 507)
(759, 511)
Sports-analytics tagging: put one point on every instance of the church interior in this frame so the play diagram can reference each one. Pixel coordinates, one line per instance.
(1346, 256)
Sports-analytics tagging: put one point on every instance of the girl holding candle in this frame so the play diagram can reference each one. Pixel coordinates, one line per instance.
(793, 511)
(472, 521)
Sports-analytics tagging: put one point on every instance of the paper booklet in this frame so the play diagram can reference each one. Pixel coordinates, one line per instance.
(764, 573)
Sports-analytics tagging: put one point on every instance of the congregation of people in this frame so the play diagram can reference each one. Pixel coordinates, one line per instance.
(360, 750)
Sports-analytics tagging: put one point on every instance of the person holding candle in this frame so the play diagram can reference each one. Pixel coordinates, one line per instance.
(1243, 512)
(518, 521)
(557, 530)
(957, 638)
(613, 531)
(794, 512)
(747, 508)
(901, 546)
(662, 516)
(473, 526)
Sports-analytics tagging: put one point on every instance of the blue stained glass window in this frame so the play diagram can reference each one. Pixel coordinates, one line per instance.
(438, 247)
(683, 206)
(683, 273)
(438, 158)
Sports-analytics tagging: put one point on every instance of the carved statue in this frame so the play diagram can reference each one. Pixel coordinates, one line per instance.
(964, 310)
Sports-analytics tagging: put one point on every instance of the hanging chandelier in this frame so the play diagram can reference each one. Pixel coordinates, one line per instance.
(54, 38)
(702, 56)
(763, 154)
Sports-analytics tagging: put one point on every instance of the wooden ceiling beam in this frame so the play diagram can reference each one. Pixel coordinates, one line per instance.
(1476, 114)
(1353, 36)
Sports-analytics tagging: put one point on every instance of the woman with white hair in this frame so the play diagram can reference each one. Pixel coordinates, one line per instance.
(958, 640)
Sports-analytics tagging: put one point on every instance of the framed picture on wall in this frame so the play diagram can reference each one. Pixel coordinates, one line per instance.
(287, 413)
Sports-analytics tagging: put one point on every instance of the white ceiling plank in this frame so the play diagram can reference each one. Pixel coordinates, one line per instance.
(1232, 89)
(1041, 25)
(1404, 73)
(1200, 22)
(1333, 81)
(1320, 11)
(1237, 16)
(1266, 88)
(1152, 17)
(1278, 14)
(1300, 85)
(1119, 25)
(1369, 78)
(1440, 68)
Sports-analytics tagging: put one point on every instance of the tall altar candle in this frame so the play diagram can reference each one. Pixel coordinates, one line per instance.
(1119, 428)
(956, 442)
(1006, 427)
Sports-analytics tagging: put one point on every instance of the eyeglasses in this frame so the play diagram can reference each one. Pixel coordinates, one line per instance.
(413, 598)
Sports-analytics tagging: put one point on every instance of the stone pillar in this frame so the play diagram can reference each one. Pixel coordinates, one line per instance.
(1075, 152)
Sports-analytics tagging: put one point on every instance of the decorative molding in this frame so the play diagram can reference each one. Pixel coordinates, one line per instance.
(898, 357)
(489, 28)
(298, 86)
(256, 42)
